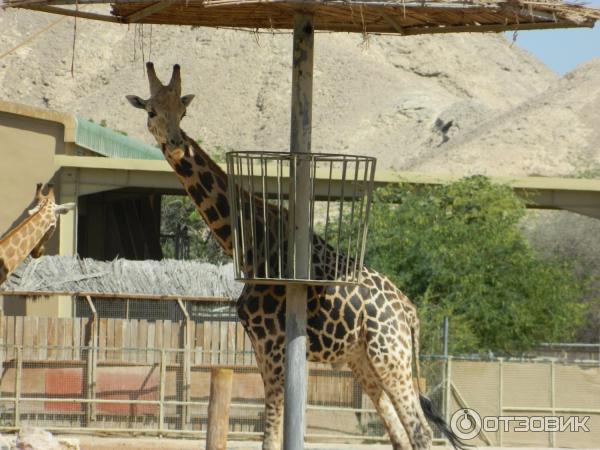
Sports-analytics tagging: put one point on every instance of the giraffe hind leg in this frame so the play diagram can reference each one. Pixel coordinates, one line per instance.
(370, 384)
(392, 366)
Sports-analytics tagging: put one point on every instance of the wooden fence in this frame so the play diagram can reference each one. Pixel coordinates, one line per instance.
(98, 373)
(210, 342)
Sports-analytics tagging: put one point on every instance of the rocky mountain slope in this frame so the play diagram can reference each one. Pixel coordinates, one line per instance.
(458, 103)
(554, 133)
(400, 99)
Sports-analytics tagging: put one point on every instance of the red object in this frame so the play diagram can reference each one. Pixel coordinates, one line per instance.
(112, 383)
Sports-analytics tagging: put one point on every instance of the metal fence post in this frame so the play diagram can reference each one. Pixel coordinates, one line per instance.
(500, 396)
(18, 377)
(448, 390)
(445, 336)
(185, 367)
(91, 363)
(161, 391)
(552, 401)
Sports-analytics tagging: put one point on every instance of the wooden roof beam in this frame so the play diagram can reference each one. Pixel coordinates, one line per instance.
(496, 28)
(147, 11)
(395, 25)
(73, 13)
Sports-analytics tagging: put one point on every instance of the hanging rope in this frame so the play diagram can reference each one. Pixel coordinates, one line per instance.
(74, 40)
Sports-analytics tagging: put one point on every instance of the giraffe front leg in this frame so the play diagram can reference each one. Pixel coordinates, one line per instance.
(270, 358)
(273, 412)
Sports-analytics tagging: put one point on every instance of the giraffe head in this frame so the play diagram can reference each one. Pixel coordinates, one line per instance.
(46, 206)
(165, 107)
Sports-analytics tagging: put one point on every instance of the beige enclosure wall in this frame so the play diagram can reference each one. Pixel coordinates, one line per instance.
(527, 388)
(27, 148)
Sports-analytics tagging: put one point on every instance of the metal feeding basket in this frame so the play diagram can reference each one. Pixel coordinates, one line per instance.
(267, 192)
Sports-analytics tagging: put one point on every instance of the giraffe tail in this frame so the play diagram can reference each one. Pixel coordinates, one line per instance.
(430, 413)
(434, 417)
(414, 329)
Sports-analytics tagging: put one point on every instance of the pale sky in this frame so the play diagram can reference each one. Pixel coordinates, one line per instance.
(562, 50)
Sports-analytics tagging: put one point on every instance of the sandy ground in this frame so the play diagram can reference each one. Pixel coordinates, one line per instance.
(99, 443)
(148, 443)
(91, 442)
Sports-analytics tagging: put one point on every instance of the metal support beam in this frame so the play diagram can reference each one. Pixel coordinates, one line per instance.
(82, 176)
(295, 361)
(186, 371)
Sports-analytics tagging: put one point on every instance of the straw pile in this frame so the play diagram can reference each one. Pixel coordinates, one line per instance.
(167, 277)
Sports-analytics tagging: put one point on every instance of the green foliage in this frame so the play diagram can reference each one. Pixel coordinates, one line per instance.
(180, 211)
(590, 172)
(456, 250)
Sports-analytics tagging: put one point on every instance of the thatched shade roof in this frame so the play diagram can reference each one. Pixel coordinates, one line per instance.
(363, 16)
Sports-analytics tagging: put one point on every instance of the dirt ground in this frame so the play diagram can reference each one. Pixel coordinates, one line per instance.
(149, 443)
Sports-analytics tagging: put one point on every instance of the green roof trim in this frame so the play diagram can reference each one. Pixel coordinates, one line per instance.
(113, 144)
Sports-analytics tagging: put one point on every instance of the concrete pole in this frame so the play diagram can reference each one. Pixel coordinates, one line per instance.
(295, 329)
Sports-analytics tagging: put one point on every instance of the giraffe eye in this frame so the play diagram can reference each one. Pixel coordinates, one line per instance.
(151, 114)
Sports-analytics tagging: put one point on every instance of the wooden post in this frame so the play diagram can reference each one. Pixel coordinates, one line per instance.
(221, 381)
(300, 142)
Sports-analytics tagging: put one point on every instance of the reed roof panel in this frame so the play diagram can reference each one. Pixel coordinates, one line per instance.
(162, 278)
(363, 16)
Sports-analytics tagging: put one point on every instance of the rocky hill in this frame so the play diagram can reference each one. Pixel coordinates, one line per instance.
(400, 99)
(459, 103)
(554, 133)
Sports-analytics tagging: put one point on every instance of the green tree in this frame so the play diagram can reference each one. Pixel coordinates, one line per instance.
(457, 250)
(178, 212)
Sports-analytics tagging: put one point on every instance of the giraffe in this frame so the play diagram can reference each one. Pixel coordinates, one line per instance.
(30, 236)
(372, 327)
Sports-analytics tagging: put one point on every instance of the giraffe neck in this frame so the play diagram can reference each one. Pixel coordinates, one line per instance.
(26, 238)
(206, 184)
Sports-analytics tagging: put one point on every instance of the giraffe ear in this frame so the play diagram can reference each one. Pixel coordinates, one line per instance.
(187, 99)
(136, 102)
(64, 208)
